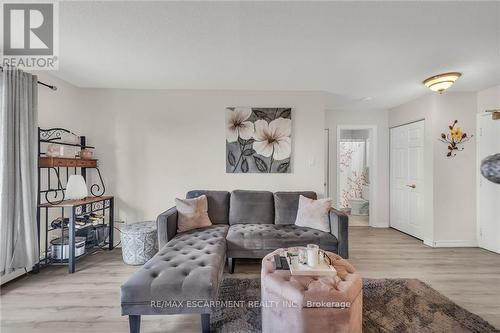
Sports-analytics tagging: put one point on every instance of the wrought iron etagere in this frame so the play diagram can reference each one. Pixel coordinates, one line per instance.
(53, 198)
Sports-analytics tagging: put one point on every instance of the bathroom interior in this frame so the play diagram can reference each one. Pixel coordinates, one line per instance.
(353, 182)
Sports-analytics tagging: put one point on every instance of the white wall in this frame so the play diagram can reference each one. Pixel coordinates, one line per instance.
(488, 99)
(454, 178)
(449, 182)
(62, 107)
(155, 145)
(377, 118)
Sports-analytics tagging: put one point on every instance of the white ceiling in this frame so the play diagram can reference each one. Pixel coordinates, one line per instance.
(351, 50)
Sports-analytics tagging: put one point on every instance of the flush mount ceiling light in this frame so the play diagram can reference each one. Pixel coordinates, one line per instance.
(441, 82)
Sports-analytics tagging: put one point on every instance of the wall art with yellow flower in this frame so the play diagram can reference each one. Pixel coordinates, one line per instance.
(454, 138)
(258, 140)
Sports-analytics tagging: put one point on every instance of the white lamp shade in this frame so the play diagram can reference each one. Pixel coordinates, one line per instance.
(441, 82)
(76, 188)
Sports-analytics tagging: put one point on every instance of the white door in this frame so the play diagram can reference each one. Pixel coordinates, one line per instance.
(488, 193)
(407, 178)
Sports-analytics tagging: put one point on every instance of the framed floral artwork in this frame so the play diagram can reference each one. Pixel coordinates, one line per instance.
(258, 140)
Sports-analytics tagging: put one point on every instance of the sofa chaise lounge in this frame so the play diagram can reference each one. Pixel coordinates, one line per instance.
(184, 276)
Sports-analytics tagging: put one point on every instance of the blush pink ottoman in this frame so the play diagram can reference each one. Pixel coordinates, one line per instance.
(308, 303)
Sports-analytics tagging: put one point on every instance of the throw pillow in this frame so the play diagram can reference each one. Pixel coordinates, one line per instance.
(192, 213)
(314, 213)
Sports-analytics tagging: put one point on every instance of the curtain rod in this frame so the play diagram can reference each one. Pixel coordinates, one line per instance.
(40, 82)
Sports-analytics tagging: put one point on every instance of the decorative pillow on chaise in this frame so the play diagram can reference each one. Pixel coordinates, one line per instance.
(314, 213)
(192, 213)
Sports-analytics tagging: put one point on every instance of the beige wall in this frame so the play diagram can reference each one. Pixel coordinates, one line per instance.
(449, 182)
(155, 145)
(379, 206)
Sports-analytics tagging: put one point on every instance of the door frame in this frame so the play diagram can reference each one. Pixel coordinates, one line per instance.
(425, 176)
(479, 177)
(327, 164)
(372, 207)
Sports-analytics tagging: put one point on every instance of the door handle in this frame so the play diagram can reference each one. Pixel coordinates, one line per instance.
(412, 186)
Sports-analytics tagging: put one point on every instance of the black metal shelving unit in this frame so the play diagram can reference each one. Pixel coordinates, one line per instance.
(52, 199)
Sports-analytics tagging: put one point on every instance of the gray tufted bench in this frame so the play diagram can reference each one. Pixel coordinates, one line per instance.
(186, 270)
(184, 276)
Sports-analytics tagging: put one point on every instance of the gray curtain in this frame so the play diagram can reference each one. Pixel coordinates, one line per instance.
(18, 170)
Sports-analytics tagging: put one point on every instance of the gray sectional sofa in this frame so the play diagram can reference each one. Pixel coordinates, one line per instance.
(184, 276)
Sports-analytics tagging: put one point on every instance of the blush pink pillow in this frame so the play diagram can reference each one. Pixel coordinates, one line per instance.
(192, 213)
(314, 213)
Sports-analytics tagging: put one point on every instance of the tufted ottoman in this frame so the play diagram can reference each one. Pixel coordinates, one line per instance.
(183, 277)
(308, 303)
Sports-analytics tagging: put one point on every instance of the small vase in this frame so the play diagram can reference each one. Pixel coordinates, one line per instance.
(86, 154)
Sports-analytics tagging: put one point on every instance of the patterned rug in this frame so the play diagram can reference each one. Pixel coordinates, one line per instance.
(389, 305)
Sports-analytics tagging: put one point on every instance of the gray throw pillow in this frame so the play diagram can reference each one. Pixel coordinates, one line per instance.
(314, 213)
(192, 213)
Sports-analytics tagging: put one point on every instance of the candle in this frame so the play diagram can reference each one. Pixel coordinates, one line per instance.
(312, 255)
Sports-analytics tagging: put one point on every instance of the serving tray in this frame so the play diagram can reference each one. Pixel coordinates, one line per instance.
(323, 268)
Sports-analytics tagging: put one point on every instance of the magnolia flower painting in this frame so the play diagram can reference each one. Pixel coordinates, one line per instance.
(258, 140)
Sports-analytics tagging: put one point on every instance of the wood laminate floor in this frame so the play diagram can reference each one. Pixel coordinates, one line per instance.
(89, 300)
(359, 220)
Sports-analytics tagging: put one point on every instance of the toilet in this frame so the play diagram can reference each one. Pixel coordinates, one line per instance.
(360, 206)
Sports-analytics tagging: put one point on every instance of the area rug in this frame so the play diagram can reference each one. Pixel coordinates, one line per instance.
(389, 305)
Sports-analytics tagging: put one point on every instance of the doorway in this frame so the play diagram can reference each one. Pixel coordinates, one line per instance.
(407, 178)
(488, 193)
(355, 166)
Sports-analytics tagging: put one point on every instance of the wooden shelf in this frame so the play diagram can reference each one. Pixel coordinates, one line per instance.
(77, 208)
(73, 203)
(51, 162)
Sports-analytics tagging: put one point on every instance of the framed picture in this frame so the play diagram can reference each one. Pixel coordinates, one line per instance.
(258, 140)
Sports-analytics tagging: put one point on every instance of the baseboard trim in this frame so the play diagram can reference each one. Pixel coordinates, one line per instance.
(380, 225)
(13, 275)
(451, 243)
(429, 242)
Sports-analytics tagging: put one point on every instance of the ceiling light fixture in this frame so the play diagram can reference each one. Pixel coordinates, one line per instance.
(441, 82)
